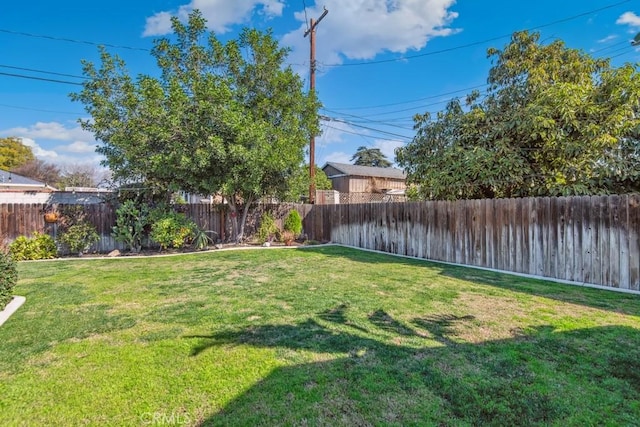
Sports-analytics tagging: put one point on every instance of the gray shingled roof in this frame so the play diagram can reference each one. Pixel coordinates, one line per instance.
(7, 177)
(354, 170)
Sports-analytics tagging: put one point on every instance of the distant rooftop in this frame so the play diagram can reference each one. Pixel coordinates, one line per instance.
(355, 170)
(7, 178)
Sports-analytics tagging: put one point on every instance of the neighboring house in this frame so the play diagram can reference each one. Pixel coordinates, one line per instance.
(80, 196)
(346, 178)
(16, 188)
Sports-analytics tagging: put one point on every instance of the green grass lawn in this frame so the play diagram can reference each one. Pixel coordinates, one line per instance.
(315, 336)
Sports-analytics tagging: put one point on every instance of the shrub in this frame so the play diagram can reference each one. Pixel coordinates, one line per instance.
(293, 222)
(39, 246)
(79, 237)
(268, 229)
(8, 278)
(173, 230)
(131, 221)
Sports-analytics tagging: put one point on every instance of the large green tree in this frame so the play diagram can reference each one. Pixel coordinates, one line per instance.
(554, 121)
(298, 186)
(365, 156)
(14, 153)
(225, 118)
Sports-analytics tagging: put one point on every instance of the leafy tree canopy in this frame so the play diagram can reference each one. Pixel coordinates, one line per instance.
(554, 121)
(299, 182)
(370, 157)
(14, 153)
(225, 118)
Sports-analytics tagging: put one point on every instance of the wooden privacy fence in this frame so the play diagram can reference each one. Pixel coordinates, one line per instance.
(591, 239)
(24, 219)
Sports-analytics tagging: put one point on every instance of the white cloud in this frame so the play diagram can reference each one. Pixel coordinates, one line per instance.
(44, 140)
(388, 148)
(38, 151)
(50, 130)
(337, 157)
(608, 38)
(220, 14)
(361, 29)
(629, 18)
(78, 147)
(158, 24)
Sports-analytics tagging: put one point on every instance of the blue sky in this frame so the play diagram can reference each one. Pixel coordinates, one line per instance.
(379, 61)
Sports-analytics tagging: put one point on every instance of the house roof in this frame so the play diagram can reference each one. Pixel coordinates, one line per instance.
(8, 178)
(355, 170)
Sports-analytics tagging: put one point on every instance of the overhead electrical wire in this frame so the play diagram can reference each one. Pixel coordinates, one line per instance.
(39, 78)
(41, 36)
(43, 72)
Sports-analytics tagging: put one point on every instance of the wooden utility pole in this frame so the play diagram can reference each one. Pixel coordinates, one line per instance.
(312, 88)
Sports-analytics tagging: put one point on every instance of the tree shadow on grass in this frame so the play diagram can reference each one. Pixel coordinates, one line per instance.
(582, 377)
(589, 297)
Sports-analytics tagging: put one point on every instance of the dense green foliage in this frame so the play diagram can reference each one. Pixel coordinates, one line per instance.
(370, 157)
(79, 237)
(8, 278)
(38, 246)
(268, 229)
(298, 186)
(554, 121)
(14, 153)
(293, 222)
(172, 230)
(131, 220)
(219, 118)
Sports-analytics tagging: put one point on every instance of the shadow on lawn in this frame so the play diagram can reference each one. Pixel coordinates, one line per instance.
(543, 377)
(596, 298)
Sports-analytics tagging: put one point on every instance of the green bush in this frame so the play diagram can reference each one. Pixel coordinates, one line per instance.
(8, 278)
(131, 221)
(39, 246)
(79, 237)
(268, 229)
(293, 222)
(173, 230)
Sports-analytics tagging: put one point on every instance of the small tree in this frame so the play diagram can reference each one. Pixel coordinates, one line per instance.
(131, 220)
(79, 237)
(293, 223)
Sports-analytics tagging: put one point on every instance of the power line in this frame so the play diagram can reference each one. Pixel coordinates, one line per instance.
(436, 52)
(415, 100)
(360, 134)
(365, 127)
(43, 72)
(40, 78)
(42, 36)
(369, 120)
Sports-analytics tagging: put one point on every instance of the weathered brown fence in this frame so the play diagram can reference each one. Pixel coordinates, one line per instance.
(592, 240)
(25, 219)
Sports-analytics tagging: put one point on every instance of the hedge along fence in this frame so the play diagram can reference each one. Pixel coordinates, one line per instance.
(24, 219)
(589, 240)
